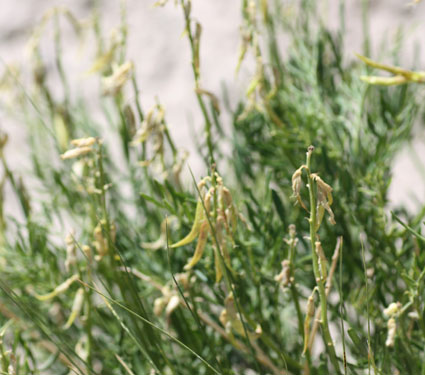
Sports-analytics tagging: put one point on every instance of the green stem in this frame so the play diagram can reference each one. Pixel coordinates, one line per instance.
(320, 282)
(208, 123)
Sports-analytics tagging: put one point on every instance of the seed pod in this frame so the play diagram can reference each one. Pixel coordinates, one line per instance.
(76, 307)
(100, 242)
(76, 152)
(392, 309)
(284, 277)
(83, 142)
(172, 304)
(202, 240)
(59, 289)
(392, 328)
(71, 251)
(114, 83)
(199, 215)
(308, 317)
(324, 199)
(296, 186)
(323, 262)
(87, 252)
(158, 305)
(130, 120)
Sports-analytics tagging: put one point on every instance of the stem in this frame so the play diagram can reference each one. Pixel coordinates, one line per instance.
(195, 69)
(320, 282)
(294, 291)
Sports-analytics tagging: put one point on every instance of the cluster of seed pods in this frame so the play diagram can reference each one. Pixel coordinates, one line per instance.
(216, 215)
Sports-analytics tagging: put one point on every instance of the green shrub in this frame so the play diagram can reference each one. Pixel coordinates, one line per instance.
(288, 260)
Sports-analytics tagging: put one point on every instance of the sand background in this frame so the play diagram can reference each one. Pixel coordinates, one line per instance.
(162, 59)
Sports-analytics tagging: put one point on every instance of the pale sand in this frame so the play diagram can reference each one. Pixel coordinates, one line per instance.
(163, 62)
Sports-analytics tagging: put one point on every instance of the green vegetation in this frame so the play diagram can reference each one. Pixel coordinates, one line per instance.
(284, 259)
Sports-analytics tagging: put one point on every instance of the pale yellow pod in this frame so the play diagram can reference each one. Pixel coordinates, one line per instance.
(199, 215)
(200, 246)
(59, 289)
(76, 308)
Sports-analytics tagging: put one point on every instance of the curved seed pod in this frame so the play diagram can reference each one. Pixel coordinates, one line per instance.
(173, 303)
(220, 223)
(323, 262)
(324, 197)
(218, 266)
(76, 152)
(202, 240)
(83, 142)
(199, 215)
(392, 329)
(76, 307)
(308, 317)
(59, 289)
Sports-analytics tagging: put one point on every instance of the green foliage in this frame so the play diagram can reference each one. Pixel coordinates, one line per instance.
(114, 296)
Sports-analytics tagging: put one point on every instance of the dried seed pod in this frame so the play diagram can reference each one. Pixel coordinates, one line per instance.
(324, 199)
(296, 186)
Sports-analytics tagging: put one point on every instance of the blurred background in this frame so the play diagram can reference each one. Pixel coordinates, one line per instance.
(162, 60)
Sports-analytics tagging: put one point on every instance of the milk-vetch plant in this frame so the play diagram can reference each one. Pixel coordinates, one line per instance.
(113, 261)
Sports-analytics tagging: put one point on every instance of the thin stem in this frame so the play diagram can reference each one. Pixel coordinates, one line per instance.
(320, 282)
(195, 69)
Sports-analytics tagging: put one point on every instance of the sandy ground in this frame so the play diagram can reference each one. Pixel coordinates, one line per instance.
(162, 59)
